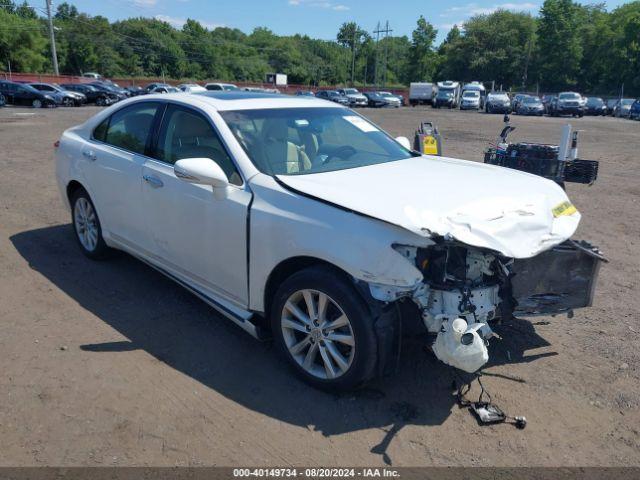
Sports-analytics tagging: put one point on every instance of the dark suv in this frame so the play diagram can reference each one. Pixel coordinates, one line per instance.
(20, 94)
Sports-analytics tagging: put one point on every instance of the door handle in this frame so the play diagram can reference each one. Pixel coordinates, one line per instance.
(153, 181)
(90, 155)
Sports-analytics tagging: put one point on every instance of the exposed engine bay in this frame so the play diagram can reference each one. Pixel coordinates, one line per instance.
(465, 289)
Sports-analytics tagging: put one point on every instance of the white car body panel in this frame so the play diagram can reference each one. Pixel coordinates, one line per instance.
(225, 247)
(492, 207)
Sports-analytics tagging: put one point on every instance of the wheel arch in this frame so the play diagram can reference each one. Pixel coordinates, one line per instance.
(72, 187)
(288, 267)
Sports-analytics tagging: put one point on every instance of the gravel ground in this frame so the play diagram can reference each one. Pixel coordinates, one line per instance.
(112, 364)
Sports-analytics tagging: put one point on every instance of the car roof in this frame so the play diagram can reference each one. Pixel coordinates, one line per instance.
(238, 100)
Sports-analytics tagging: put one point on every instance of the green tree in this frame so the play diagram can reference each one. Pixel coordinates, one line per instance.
(422, 56)
(559, 46)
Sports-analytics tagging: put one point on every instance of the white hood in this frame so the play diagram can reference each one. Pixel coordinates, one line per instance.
(481, 205)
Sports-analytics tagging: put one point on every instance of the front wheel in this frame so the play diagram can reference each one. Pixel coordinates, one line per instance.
(67, 102)
(37, 103)
(323, 328)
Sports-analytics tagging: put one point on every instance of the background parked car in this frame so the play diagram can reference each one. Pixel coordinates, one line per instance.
(135, 90)
(623, 107)
(304, 93)
(21, 94)
(94, 75)
(515, 101)
(392, 100)
(498, 102)
(634, 112)
(470, 100)
(104, 87)
(375, 100)
(3, 101)
(333, 95)
(151, 86)
(611, 103)
(165, 89)
(93, 94)
(221, 86)
(530, 105)
(355, 98)
(191, 88)
(546, 100)
(595, 106)
(567, 103)
(68, 98)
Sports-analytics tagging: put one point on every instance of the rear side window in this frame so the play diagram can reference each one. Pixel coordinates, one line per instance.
(186, 133)
(129, 128)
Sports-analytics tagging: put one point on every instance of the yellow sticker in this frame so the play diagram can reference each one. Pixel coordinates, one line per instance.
(564, 208)
(429, 145)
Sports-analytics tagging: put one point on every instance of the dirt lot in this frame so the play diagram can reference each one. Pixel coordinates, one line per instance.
(112, 364)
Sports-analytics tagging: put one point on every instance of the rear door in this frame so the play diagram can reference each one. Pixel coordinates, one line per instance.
(112, 164)
(196, 236)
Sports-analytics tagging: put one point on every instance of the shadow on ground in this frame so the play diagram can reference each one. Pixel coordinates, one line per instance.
(160, 317)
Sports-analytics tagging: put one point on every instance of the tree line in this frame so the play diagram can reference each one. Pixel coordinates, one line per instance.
(566, 46)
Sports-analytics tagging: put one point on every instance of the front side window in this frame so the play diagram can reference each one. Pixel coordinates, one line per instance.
(129, 128)
(298, 141)
(185, 133)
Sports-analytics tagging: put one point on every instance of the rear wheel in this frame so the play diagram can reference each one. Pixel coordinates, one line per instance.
(36, 103)
(87, 226)
(325, 331)
(101, 101)
(67, 102)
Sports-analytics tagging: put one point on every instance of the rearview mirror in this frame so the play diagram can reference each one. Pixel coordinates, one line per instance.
(203, 171)
(404, 141)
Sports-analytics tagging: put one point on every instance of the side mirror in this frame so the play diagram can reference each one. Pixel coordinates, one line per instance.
(404, 141)
(202, 171)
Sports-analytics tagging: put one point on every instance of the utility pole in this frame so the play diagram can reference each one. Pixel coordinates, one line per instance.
(353, 54)
(386, 32)
(52, 39)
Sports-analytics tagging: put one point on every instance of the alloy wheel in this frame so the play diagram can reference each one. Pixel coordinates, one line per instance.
(86, 223)
(317, 334)
(36, 103)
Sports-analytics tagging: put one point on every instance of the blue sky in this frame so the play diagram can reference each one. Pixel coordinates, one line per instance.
(316, 18)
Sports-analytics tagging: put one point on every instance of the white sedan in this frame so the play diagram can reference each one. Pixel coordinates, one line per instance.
(300, 218)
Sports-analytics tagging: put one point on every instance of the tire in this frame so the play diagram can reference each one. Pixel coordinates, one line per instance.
(67, 102)
(36, 103)
(335, 365)
(101, 101)
(85, 220)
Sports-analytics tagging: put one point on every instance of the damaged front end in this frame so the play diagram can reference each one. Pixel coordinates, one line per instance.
(465, 289)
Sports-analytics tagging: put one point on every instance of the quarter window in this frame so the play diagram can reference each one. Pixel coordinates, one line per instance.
(187, 134)
(129, 128)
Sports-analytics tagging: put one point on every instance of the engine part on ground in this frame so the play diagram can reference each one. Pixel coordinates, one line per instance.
(461, 346)
(557, 163)
(428, 140)
(486, 412)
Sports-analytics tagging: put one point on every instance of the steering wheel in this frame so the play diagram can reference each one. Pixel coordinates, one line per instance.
(343, 153)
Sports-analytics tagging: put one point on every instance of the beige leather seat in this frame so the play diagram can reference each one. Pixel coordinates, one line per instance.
(194, 138)
(282, 155)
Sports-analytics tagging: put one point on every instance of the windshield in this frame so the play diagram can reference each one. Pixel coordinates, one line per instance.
(300, 141)
(531, 100)
(499, 96)
(471, 94)
(350, 91)
(569, 96)
(230, 87)
(445, 93)
(627, 101)
(594, 101)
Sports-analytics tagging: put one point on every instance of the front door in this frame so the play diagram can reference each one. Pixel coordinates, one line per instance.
(196, 235)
